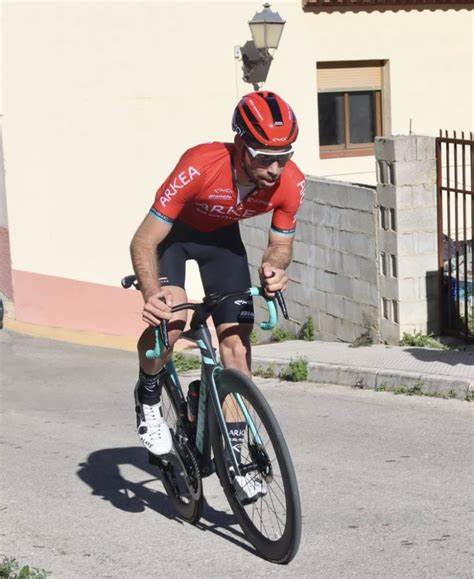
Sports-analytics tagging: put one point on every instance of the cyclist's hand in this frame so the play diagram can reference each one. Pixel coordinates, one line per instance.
(272, 279)
(155, 309)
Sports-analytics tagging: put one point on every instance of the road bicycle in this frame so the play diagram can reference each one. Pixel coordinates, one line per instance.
(271, 522)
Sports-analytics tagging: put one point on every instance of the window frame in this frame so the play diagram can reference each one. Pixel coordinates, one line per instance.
(348, 149)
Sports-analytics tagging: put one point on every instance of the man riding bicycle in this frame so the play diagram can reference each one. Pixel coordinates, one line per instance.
(195, 216)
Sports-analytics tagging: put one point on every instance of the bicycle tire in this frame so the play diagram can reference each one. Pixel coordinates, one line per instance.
(273, 456)
(187, 505)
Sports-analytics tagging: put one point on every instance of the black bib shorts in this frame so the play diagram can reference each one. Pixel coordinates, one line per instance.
(222, 262)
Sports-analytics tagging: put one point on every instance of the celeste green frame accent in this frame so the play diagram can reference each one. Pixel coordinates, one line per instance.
(210, 370)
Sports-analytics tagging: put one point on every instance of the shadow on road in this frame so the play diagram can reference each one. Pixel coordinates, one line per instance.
(452, 357)
(102, 474)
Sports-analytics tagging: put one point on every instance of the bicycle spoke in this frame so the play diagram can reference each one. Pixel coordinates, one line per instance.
(272, 493)
(279, 522)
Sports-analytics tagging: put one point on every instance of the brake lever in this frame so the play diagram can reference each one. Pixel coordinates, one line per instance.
(163, 328)
(281, 302)
(128, 281)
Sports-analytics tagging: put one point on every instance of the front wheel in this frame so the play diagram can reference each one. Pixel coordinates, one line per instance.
(272, 522)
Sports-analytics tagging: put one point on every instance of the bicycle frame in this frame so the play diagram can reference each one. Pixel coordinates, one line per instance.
(210, 369)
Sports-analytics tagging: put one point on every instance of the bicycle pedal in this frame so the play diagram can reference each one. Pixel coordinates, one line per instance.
(154, 460)
(159, 460)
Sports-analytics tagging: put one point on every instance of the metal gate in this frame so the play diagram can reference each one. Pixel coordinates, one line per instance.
(455, 178)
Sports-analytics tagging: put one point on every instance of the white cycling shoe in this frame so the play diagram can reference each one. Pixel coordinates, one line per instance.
(153, 430)
(248, 488)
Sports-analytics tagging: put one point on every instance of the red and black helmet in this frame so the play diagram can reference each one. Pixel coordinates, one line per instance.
(265, 119)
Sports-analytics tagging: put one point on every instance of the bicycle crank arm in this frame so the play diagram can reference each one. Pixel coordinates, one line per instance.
(175, 458)
(168, 463)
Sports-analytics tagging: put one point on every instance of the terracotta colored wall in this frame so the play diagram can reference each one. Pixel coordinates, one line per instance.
(65, 303)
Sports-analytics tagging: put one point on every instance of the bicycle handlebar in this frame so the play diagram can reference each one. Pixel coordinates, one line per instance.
(206, 306)
(161, 332)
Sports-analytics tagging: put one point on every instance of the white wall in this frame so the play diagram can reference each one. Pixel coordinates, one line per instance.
(100, 99)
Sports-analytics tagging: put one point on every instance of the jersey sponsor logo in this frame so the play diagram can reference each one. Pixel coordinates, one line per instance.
(302, 186)
(225, 212)
(220, 196)
(179, 182)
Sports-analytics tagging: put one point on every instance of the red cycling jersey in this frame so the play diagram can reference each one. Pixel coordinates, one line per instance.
(202, 193)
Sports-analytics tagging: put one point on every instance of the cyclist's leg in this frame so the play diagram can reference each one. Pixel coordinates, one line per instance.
(224, 268)
(234, 345)
(172, 267)
(152, 427)
(175, 329)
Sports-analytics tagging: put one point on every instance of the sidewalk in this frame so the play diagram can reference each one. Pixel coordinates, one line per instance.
(438, 372)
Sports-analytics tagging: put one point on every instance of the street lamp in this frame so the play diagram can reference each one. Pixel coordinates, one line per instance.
(266, 28)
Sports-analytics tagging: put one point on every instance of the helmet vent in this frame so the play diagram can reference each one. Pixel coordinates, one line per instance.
(255, 124)
(275, 110)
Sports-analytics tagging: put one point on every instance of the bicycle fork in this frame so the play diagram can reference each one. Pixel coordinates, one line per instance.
(239, 469)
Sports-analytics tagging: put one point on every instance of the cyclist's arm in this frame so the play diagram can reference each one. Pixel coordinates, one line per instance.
(277, 256)
(145, 264)
(275, 260)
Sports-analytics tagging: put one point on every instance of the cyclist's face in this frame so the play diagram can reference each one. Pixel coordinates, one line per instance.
(264, 170)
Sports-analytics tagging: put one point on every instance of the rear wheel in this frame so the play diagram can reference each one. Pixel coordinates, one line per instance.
(180, 470)
(272, 523)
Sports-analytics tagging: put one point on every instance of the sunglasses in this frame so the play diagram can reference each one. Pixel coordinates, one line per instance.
(267, 158)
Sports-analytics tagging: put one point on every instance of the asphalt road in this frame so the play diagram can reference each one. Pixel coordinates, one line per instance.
(386, 481)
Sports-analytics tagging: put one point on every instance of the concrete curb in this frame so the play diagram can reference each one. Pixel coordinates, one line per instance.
(376, 379)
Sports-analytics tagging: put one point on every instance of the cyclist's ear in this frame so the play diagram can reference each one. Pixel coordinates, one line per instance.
(239, 143)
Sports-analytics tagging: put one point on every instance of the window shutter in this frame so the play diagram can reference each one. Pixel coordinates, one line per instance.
(349, 76)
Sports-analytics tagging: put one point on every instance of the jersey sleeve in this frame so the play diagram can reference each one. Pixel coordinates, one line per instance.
(284, 215)
(181, 186)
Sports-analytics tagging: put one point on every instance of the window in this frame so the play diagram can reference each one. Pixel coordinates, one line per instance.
(350, 96)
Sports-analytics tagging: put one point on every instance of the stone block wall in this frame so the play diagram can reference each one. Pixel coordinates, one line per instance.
(333, 276)
(407, 235)
(365, 260)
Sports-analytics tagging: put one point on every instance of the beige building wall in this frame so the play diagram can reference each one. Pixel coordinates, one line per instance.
(100, 99)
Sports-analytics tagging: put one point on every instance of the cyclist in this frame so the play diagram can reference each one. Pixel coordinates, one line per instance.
(195, 216)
